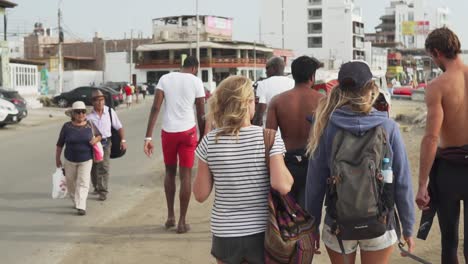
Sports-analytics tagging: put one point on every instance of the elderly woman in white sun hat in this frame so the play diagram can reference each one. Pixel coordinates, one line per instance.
(78, 136)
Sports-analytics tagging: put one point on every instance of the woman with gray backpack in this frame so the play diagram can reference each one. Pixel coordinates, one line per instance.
(358, 163)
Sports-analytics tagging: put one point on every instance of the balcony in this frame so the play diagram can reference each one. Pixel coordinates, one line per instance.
(218, 62)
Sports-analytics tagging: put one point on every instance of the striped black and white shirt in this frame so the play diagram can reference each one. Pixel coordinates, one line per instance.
(241, 180)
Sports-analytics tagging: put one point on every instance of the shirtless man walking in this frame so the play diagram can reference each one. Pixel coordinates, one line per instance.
(289, 111)
(444, 147)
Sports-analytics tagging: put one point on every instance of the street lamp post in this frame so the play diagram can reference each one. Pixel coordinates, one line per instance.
(60, 56)
(198, 36)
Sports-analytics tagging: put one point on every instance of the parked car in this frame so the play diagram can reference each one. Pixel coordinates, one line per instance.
(19, 102)
(84, 94)
(8, 113)
(117, 86)
(116, 95)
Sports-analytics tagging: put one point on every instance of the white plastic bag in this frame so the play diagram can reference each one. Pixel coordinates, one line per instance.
(59, 184)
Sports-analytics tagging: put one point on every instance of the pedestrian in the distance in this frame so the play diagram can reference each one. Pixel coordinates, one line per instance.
(144, 88)
(101, 118)
(78, 137)
(358, 160)
(128, 93)
(232, 159)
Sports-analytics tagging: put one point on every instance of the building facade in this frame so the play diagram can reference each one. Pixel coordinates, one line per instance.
(406, 24)
(174, 38)
(330, 30)
(77, 55)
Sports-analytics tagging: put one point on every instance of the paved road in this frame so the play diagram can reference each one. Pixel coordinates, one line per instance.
(37, 229)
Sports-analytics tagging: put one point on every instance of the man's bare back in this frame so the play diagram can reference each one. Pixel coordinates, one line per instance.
(447, 98)
(289, 112)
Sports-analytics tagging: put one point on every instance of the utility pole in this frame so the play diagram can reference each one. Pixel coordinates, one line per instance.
(104, 56)
(5, 25)
(282, 24)
(60, 39)
(198, 37)
(255, 61)
(131, 57)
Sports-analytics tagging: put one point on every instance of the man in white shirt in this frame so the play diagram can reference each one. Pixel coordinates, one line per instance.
(275, 84)
(179, 91)
(102, 120)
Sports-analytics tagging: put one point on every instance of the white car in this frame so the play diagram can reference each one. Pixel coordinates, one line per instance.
(8, 113)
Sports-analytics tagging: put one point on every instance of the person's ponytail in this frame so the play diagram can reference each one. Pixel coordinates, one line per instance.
(324, 110)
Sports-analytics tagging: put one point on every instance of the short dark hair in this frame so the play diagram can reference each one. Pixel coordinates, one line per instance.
(190, 62)
(445, 41)
(303, 68)
(277, 64)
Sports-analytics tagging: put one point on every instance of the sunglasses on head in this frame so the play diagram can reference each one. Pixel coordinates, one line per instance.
(79, 111)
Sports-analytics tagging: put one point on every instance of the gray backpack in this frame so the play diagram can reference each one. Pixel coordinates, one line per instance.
(356, 198)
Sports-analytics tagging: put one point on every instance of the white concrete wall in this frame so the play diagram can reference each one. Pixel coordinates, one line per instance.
(118, 69)
(26, 80)
(16, 48)
(74, 79)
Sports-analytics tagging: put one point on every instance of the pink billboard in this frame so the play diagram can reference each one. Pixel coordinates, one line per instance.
(218, 25)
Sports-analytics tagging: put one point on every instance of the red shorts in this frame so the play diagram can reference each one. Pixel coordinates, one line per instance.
(179, 144)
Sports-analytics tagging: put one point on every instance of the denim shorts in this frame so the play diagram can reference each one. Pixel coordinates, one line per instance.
(236, 250)
(350, 246)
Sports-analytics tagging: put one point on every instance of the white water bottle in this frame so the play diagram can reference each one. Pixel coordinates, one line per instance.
(387, 172)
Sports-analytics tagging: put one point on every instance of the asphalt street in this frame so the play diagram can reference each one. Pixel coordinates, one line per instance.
(34, 228)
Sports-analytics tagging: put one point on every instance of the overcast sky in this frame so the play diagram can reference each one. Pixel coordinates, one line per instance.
(112, 18)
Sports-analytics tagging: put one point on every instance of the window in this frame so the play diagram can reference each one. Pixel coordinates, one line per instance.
(314, 42)
(204, 76)
(358, 55)
(358, 42)
(313, 28)
(315, 13)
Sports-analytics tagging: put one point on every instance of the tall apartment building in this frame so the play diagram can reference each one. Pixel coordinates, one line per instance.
(406, 24)
(330, 30)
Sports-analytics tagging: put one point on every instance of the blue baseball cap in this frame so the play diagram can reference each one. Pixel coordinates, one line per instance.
(354, 75)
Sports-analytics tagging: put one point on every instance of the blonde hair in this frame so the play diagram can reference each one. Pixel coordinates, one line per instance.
(229, 105)
(338, 97)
